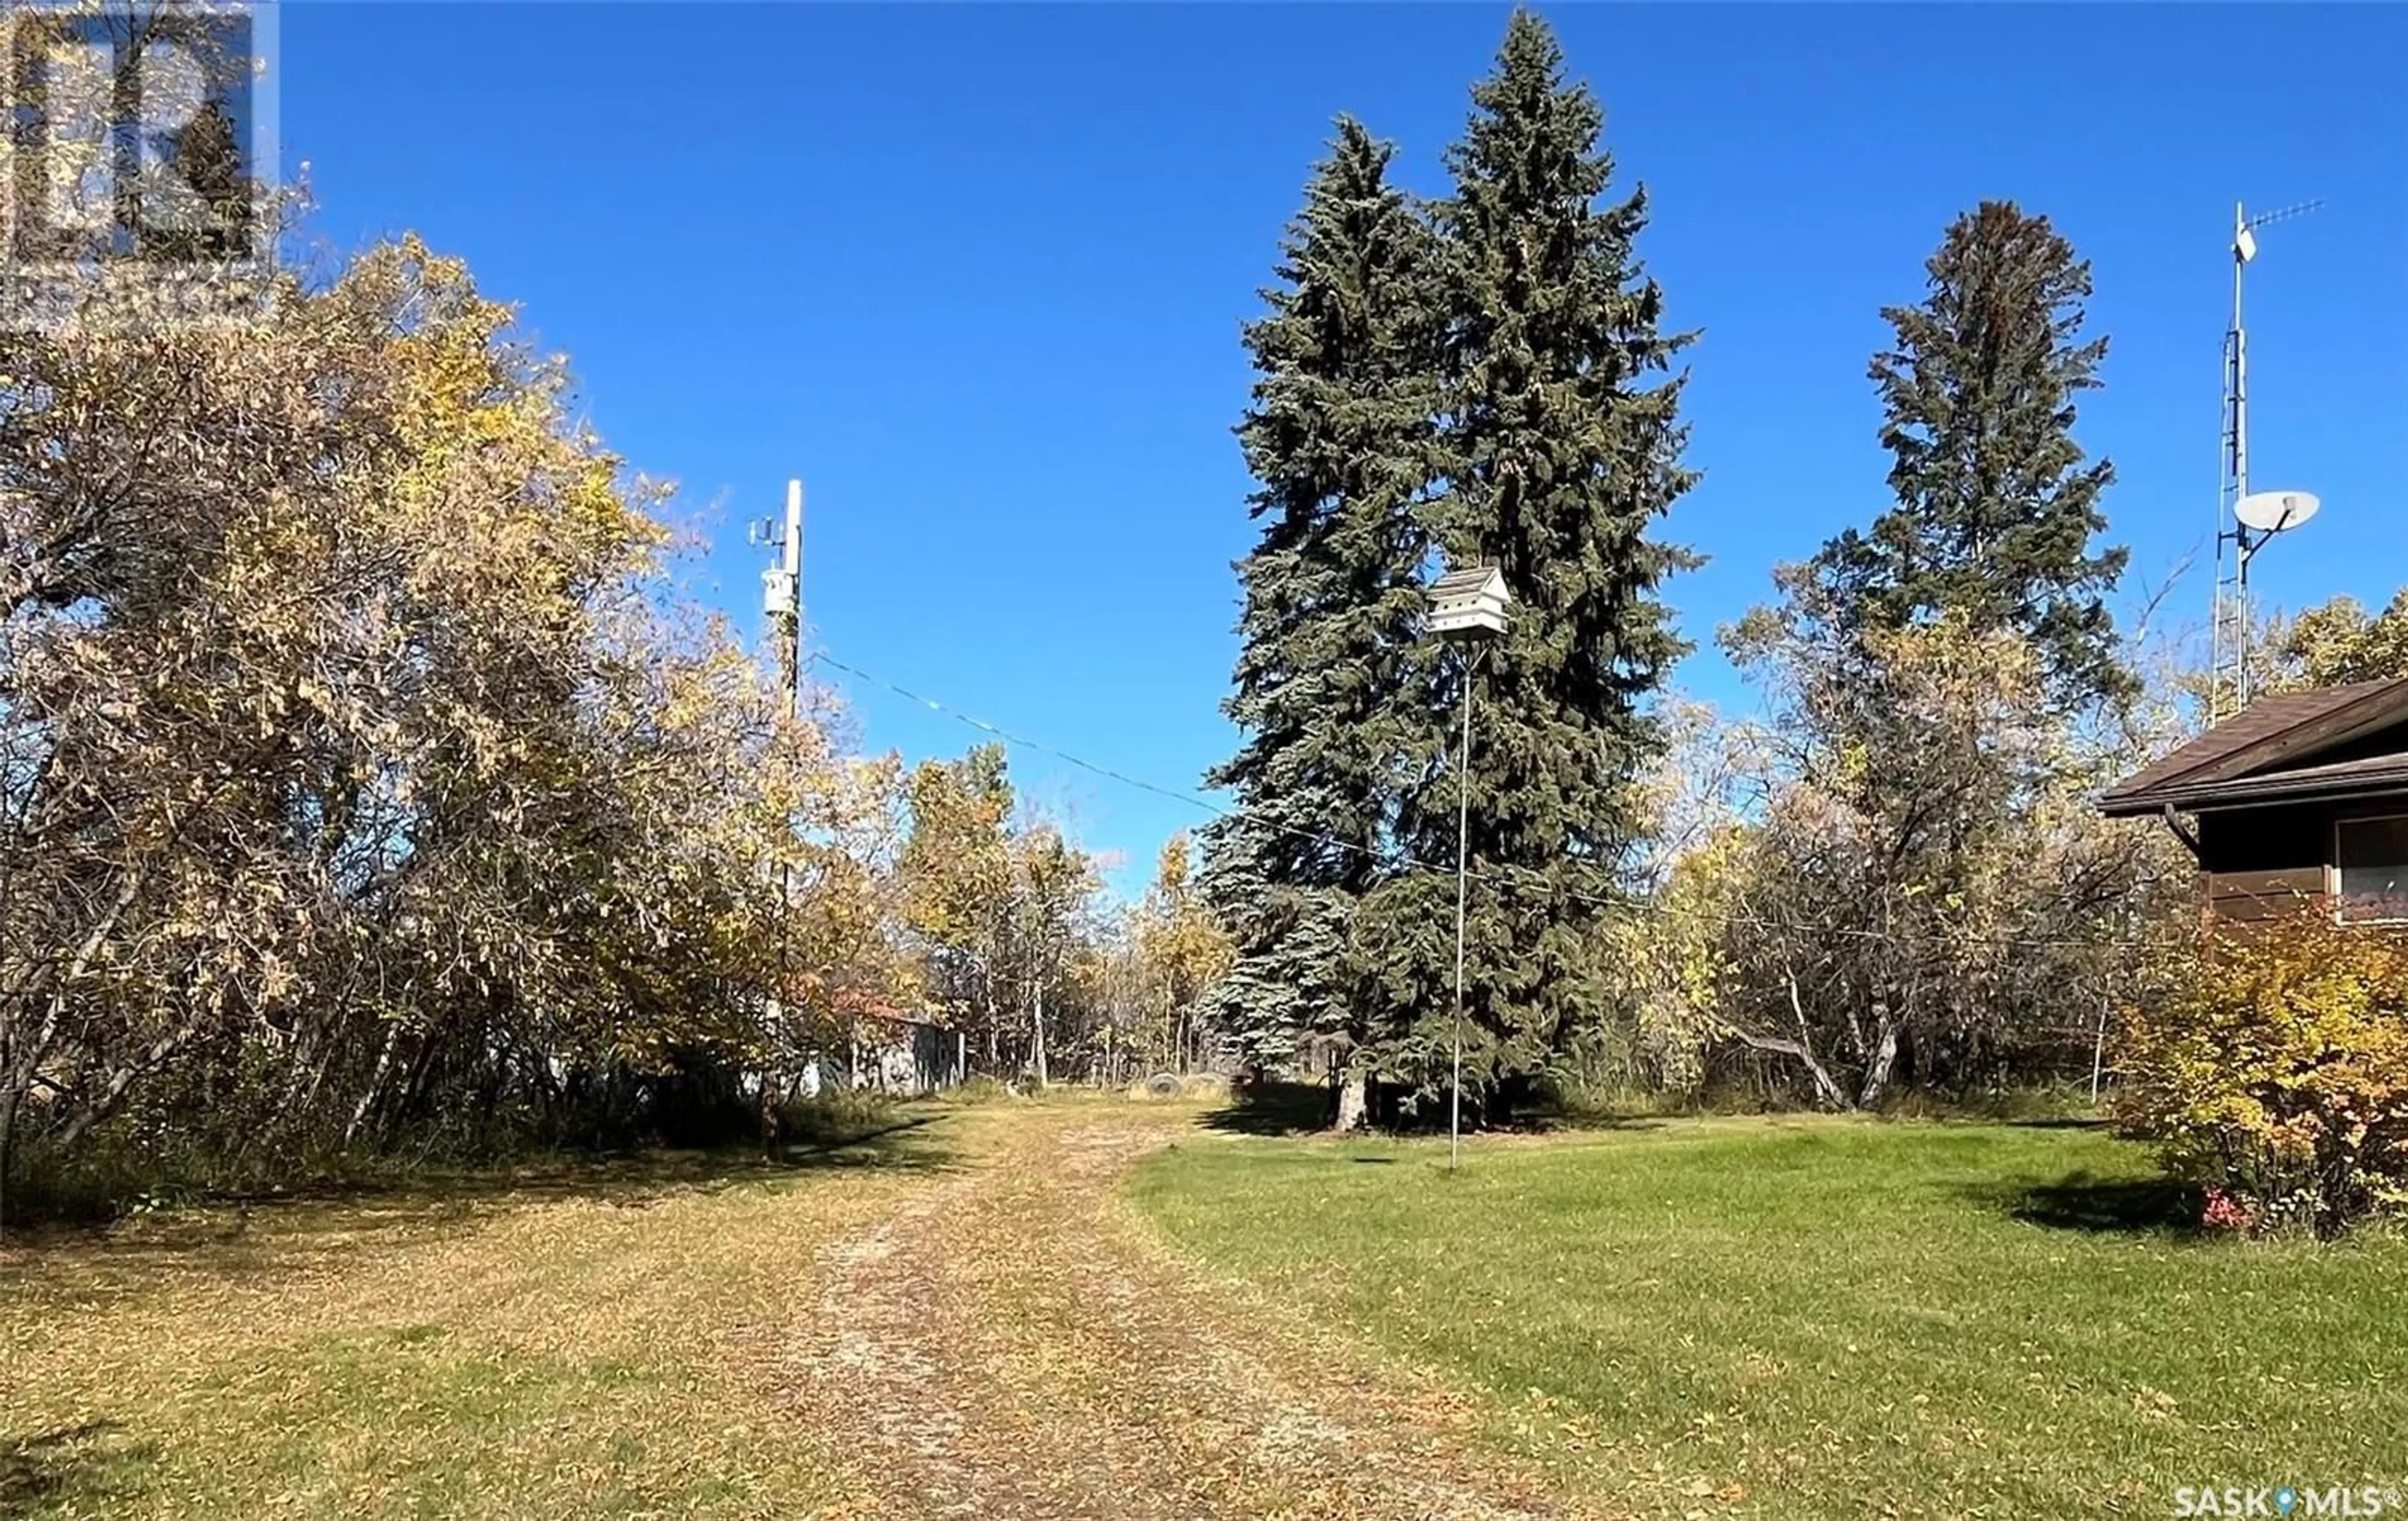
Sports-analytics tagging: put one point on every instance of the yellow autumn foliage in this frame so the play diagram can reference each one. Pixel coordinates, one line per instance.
(361, 776)
(2271, 1066)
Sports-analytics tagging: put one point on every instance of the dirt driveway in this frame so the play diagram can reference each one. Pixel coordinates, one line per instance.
(1010, 1343)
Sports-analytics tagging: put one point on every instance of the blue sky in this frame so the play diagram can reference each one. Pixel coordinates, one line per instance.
(977, 274)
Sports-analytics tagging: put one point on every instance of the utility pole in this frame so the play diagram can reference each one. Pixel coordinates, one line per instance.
(782, 601)
(782, 594)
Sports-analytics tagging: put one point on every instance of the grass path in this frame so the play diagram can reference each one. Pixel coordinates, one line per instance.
(967, 1323)
(1010, 1343)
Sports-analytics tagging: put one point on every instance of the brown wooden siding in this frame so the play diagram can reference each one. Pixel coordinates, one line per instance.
(2248, 896)
(2262, 863)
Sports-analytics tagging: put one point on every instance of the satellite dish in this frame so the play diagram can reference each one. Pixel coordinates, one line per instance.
(2272, 511)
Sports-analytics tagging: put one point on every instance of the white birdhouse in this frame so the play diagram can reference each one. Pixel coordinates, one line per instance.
(1468, 604)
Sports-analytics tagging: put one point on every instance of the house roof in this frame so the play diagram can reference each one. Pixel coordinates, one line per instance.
(2267, 753)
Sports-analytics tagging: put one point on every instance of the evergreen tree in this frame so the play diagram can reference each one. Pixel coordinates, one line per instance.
(1562, 445)
(1340, 439)
(1997, 507)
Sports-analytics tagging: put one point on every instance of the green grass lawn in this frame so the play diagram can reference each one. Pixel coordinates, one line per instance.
(1824, 1318)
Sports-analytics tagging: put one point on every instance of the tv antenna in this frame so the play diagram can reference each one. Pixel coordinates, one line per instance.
(2246, 520)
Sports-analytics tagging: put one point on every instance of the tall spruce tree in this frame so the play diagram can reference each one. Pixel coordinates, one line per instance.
(1996, 506)
(1563, 445)
(1340, 439)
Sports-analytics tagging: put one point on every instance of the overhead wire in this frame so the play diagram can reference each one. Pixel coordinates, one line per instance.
(1488, 876)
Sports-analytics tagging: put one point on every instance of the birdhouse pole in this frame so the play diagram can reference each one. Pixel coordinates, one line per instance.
(1467, 608)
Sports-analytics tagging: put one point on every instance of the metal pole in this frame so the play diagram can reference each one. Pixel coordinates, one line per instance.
(2239, 386)
(2241, 618)
(2240, 483)
(1462, 883)
(2231, 630)
(2098, 1048)
(2228, 636)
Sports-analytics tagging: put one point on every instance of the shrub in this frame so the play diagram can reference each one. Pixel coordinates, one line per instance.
(2271, 1066)
(982, 1089)
(838, 1116)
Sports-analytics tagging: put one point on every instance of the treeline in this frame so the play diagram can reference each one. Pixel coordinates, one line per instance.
(1016, 948)
(356, 783)
(366, 789)
(1887, 878)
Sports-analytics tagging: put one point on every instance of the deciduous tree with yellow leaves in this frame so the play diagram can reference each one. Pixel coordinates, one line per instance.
(358, 778)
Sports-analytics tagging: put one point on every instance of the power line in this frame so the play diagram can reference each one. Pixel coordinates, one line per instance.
(1407, 861)
(821, 657)
(1488, 876)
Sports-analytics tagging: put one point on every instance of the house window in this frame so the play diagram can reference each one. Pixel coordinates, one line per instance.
(2374, 870)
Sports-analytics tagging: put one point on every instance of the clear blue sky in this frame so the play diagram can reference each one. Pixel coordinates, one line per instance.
(977, 275)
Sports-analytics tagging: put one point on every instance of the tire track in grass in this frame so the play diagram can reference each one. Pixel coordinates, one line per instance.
(1003, 1345)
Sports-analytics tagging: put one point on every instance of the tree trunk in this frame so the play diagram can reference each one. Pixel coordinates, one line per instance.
(1825, 1088)
(8, 1097)
(1037, 1032)
(24, 1056)
(113, 1092)
(1353, 1100)
(1885, 1056)
(768, 1116)
(994, 1032)
(375, 1086)
(18, 1071)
